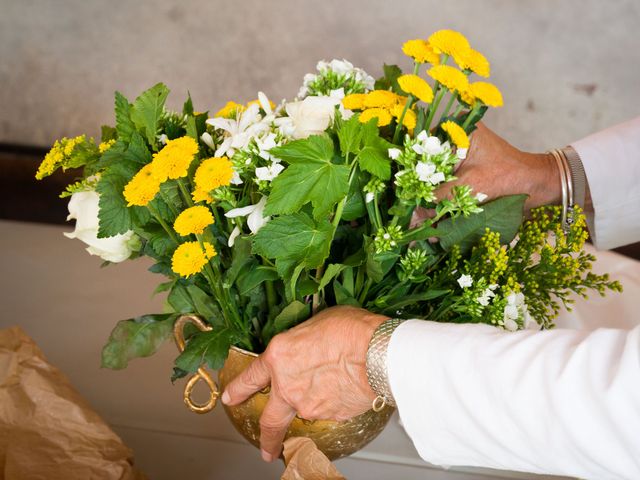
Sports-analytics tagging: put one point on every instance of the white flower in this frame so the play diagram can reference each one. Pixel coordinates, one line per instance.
(312, 115)
(514, 309)
(368, 198)
(235, 178)
(163, 139)
(265, 144)
(208, 140)
(427, 173)
(486, 296)
(394, 153)
(240, 131)
(481, 197)
(432, 146)
(83, 206)
(461, 153)
(510, 325)
(270, 172)
(465, 281)
(234, 234)
(255, 220)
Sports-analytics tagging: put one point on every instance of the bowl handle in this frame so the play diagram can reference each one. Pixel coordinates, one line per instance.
(201, 374)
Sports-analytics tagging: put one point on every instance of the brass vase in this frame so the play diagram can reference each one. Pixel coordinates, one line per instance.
(334, 439)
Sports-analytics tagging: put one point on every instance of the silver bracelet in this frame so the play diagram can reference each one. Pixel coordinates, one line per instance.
(578, 175)
(565, 186)
(377, 364)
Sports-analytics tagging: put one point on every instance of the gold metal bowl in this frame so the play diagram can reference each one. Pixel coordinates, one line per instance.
(334, 439)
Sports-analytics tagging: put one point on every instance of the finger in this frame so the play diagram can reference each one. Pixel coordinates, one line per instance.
(250, 381)
(275, 420)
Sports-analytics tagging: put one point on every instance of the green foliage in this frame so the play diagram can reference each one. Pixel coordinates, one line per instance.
(147, 111)
(124, 125)
(137, 337)
(503, 215)
(311, 177)
(297, 238)
(390, 78)
(208, 348)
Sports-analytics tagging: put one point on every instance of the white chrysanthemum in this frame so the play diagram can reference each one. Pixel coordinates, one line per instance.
(465, 281)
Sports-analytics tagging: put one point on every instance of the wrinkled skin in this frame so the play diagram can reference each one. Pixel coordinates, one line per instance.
(317, 369)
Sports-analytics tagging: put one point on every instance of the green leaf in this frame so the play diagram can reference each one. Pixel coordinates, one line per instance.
(124, 125)
(343, 297)
(250, 279)
(291, 315)
(187, 108)
(332, 270)
(192, 299)
(412, 299)
(147, 111)
(114, 215)
(379, 264)
(137, 151)
(107, 133)
(503, 215)
(390, 78)
(310, 177)
(137, 337)
(350, 136)
(296, 238)
(209, 347)
(374, 154)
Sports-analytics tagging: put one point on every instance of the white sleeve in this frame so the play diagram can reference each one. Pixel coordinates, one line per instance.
(558, 402)
(611, 160)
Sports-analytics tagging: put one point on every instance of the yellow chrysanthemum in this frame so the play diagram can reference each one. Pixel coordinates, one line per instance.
(174, 159)
(142, 188)
(487, 93)
(257, 102)
(449, 42)
(193, 220)
(382, 114)
(474, 61)
(355, 101)
(230, 110)
(409, 119)
(450, 77)
(456, 133)
(58, 156)
(189, 258)
(420, 51)
(104, 146)
(467, 97)
(417, 87)
(380, 99)
(212, 173)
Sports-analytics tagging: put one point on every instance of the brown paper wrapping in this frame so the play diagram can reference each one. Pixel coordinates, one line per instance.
(47, 430)
(305, 462)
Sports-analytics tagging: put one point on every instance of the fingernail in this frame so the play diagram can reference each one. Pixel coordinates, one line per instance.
(226, 398)
(266, 456)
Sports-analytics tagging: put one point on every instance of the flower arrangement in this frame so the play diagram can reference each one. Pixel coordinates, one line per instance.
(261, 215)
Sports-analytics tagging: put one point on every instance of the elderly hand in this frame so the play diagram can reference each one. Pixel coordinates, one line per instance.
(496, 168)
(316, 370)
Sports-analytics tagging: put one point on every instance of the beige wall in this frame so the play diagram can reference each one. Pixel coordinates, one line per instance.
(567, 67)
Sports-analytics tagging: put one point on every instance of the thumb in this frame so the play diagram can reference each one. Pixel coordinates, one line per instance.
(250, 381)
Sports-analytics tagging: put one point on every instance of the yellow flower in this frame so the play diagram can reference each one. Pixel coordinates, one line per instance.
(58, 156)
(142, 188)
(212, 173)
(417, 87)
(487, 93)
(380, 99)
(174, 159)
(450, 77)
(456, 133)
(449, 42)
(189, 258)
(104, 146)
(257, 102)
(467, 97)
(421, 51)
(355, 101)
(474, 61)
(382, 114)
(193, 220)
(230, 110)
(409, 119)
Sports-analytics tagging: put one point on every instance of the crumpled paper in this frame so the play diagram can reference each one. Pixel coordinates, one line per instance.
(47, 430)
(305, 462)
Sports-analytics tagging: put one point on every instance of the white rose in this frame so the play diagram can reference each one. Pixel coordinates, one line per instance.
(312, 115)
(83, 207)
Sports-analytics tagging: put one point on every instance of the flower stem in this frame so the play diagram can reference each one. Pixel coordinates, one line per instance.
(410, 99)
(448, 107)
(434, 106)
(185, 192)
(164, 225)
(472, 113)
